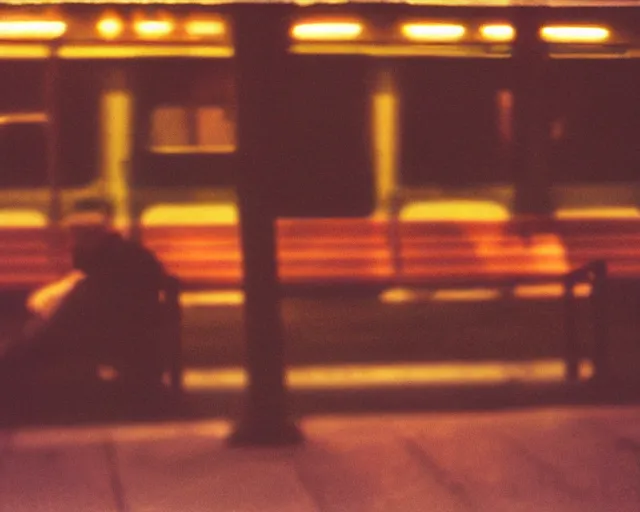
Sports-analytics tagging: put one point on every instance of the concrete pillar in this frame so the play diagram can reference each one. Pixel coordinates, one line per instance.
(261, 44)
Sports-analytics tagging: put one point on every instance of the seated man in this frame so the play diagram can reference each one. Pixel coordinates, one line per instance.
(109, 307)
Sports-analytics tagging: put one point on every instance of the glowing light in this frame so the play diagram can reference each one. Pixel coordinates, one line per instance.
(132, 51)
(24, 51)
(327, 31)
(398, 296)
(205, 28)
(574, 34)
(629, 212)
(551, 290)
(455, 210)
(466, 295)
(212, 298)
(22, 219)
(32, 29)
(23, 117)
(190, 215)
(152, 29)
(433, 31)
(363, 376)
(110, 27)
(497, 32)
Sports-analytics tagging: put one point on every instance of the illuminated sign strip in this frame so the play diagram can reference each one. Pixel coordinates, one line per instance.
(497, 32)
(327, 31)
(133, 51)
(574, 34)
(24, 51)
(32, 29)
(437, 32)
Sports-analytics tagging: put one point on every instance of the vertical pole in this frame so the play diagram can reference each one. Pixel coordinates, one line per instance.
(385, 128)
(571, 348)
(600, 321)
(261, 45)
(530, 169)
(116, 111)
(53, 160)
(51, 99)
(385, 137)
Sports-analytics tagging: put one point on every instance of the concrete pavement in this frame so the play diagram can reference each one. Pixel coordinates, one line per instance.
(583, 458)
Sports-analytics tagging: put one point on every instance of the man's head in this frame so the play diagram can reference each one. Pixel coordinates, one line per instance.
(89, 223)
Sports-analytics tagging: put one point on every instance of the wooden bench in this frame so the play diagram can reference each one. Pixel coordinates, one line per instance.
(595, 273)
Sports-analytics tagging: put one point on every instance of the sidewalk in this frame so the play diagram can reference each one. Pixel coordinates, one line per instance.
(544, 459)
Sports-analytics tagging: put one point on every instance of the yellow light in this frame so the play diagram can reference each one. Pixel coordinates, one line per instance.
(616, 212)
(327, 31)
(152, 29)
(110, 27)
(433, 31)
(551, 290)
(205, 28)
(574, 34)
(459, 210)
(207, 214)
(497, 32)
(363, 376)
(33, 29)
(470, 295)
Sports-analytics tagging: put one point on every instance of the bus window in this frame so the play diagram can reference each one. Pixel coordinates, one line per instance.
(77, 108)
(23, 152)
(23, 142)
(22, 86)
(23, 122)
(198, 129)
(327, 168)
(595, 121)
(188, 117)
(456, 122)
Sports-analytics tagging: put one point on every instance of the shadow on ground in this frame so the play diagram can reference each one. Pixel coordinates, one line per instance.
(100, 403)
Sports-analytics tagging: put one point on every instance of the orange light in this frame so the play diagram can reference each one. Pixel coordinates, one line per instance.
(153, 29)
(574, 34)
(110, 27)
(441, 32)
(205, 28)
(327, 31)
(497, 32)
(32, 29)
(541, 291)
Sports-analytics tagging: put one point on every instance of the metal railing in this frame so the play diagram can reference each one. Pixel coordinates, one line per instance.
(594, 273)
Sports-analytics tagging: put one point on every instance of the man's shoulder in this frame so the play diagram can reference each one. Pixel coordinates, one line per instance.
(127, 248)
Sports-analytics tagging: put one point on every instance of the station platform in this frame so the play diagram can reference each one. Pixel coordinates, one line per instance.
(546, 458)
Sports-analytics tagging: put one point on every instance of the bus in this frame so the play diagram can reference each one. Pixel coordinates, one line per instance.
(494, 136)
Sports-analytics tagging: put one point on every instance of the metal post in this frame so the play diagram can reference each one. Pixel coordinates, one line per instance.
(600, 321)
(571, 348)
(385, 134)
(261, 45)
(530, 168)
(51, 99)
(174, 313)
(116, 114)
(56, 246)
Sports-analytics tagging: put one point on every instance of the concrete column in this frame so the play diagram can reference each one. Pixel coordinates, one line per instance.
(261, 45)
